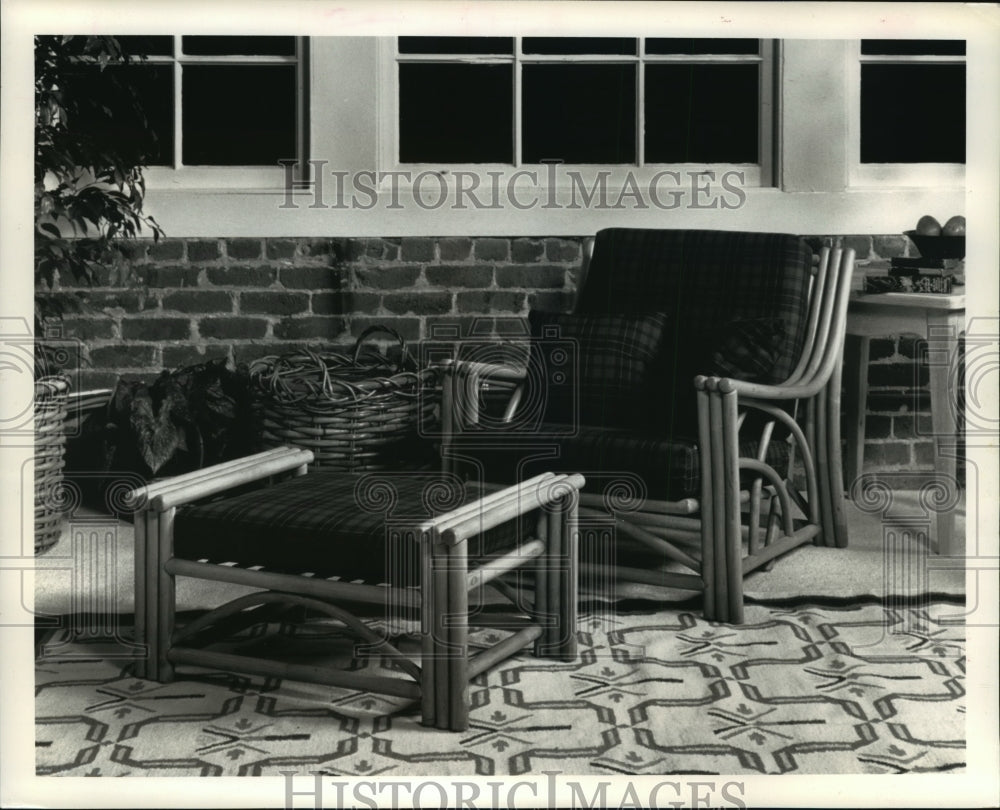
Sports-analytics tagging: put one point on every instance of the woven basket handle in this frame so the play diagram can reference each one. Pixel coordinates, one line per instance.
(404, 355)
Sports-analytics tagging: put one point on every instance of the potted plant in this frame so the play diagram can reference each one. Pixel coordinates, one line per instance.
(88, 196)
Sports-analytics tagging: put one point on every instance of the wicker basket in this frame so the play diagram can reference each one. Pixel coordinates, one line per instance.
(356, 411)
(51, 394)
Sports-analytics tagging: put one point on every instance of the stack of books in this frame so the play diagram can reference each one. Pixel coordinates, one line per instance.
(918, 275)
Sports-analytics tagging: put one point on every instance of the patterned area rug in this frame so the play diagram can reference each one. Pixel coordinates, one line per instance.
(798, 689)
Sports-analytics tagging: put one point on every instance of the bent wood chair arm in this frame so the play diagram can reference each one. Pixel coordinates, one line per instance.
(161, 496)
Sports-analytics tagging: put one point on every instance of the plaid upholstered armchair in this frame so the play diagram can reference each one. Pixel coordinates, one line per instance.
(696, 386)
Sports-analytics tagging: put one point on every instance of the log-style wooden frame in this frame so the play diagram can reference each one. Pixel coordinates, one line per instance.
(440, 681)
(732, 529)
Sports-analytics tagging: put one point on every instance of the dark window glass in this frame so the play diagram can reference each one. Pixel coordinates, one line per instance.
(579, 113)
(147, 46)
(239, 46)
(701, 113)
(483, 45)
(657, 45)
(129, 108)
(238, 115)
(912, 113)
(454, 113)
(912, 47)
(618, 46)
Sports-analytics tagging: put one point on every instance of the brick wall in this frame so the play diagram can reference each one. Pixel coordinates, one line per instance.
(185, 301)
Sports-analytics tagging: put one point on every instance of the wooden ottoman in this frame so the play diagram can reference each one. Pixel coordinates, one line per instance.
(413, 541)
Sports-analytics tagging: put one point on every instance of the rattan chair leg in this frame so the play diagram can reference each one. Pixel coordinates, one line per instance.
(835, 454)
(428, 630)
(541, 571)
(734, 548)
(167, 597)
(708, 561)
(457, 624)
(151, 579)
(568, 607)
(140, 635)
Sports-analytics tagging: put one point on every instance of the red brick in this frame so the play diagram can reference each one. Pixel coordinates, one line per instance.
(241, 276)
(344, 303)
(454, 248)
(407, 327)
(889, 245)
(490, 301)
(274, 302)
(311, 278)
(243, 248)
(531, 275)
(887, 454)
(130, 301)
(312, 326)
(452, 276)
(99, 328)
(562, 250)
(87, 379)
(198, 301)
(280, 249)
(552, 301)
(443, 327)
(168, 276)
(416, 249)
(166, 250)
(898, 401)
(488, 249)
(913, 347)
(148, 328)
(924, 453)
(527, 250)
(878, 427)
(387, 278)
(203, 251)
(419, 303)
(182, 356)
(123, 356)
(232, 328)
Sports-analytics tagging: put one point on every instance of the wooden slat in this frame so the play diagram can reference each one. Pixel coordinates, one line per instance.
(296, 672)
(502, 650)
(501, 565)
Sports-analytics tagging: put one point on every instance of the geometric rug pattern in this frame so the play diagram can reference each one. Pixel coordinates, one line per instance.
(800, 689)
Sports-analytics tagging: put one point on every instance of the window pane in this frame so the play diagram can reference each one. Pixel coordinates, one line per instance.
(911, 47)
(621, 46)
(111, 106)
(455, 113)
(913, 113)
(579, 113)
(238, 115)
(239, 46)
(701, 113)
(147, 46)
(657, 45)
(484, 45)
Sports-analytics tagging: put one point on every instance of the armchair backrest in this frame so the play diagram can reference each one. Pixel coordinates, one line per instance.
(702, 278)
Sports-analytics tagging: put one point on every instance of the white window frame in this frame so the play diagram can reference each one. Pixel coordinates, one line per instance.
(899, 175)
(754, 174)
(179, 176)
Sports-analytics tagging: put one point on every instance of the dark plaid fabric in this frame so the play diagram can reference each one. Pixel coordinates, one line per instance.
(703, 278)
(748, 349)
(669, 468)
(594, 367)
(332, 524)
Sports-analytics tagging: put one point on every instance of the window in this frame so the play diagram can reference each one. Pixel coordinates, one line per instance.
(218, 101)
(912, 110)
(583, 100)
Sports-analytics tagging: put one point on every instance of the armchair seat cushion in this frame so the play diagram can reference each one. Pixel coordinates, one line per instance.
(318, 523)
(668, 466)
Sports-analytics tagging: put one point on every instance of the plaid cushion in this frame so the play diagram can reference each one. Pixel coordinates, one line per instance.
(703, 277)
(669, 467)
(603, 372)
(332, 524)
(748, 349)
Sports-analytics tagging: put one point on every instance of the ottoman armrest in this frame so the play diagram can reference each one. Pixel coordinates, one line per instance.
(171, 492)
